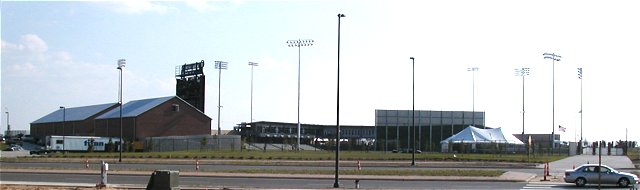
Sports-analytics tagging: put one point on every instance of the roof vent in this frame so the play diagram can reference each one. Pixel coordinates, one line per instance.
(175, 107)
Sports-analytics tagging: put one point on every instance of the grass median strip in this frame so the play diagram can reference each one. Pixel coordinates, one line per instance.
(469, 173)
(309, 155)
(475, 173)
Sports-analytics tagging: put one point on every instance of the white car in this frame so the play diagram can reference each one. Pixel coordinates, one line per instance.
(588, 174)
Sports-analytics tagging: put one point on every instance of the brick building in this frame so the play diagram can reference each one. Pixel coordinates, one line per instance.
(154, 117)
(78, 121)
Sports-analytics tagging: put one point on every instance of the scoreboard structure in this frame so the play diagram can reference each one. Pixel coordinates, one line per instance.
(190, 84)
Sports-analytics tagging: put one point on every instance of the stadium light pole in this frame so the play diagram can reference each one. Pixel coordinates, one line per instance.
(580, 77)
(252, 64)
(8, 126)
(64, 114)
(336, 184)
(553, 58)
(219, 65)
(299, 43)
(473, 95)
(522, 72)
(121, 64)
(413, 110)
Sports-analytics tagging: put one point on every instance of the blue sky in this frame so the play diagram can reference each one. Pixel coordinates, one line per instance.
(65, 54)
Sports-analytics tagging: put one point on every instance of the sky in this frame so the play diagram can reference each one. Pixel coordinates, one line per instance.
(65, 54)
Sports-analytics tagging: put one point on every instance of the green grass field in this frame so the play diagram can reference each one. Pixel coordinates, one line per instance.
(312, 155)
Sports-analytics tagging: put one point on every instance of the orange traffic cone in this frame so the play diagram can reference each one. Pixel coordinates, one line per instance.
(197, 165)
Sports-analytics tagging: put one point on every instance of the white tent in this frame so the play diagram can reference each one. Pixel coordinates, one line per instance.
(476, 135)
(482, 137)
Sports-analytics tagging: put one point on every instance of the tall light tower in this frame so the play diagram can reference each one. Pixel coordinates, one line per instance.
(8, 125)
(252, 64)
(413, 109)
(522, 72)
(336, 184)
(580, 77)
(299, 43)
(219, 65)
(473, 95)
(553, 58)
(121, 64)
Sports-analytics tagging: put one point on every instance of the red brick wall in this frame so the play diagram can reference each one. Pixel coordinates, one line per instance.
(164, 121)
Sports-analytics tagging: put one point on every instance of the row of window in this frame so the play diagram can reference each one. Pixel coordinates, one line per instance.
(318, 132)
(422, 113)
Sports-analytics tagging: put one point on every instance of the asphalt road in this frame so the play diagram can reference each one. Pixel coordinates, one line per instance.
(218, 182)
(223, 167)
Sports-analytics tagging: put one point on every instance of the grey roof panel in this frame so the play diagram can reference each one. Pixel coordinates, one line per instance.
(73, 114)
(135, 108)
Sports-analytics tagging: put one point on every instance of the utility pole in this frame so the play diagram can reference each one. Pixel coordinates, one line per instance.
(336, 184)
(413, 109)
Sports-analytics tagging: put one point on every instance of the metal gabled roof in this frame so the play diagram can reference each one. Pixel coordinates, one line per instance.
(73, 114)
(135, 108)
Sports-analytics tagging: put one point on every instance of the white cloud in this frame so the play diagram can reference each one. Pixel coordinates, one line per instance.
(200, 5)
(33, 43)
(35, 79)
(139, 6)
(208, 5)
(144, 6)
(23, 68)
(6, 46)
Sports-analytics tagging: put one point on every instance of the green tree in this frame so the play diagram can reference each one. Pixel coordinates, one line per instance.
(203, 143)
(110, 146)
(130, 146)
(90, 145)
(125, 146)
(150, 145)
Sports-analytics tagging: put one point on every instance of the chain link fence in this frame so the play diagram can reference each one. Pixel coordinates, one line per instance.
(192, 143)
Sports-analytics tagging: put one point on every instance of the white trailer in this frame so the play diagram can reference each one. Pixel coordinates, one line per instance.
(79, 143)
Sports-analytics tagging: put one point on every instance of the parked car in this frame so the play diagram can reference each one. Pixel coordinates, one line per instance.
(588, 174)
(13, 149)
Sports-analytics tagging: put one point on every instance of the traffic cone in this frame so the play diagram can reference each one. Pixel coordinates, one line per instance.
(544, 173)
(197, 165)
(548, 168)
